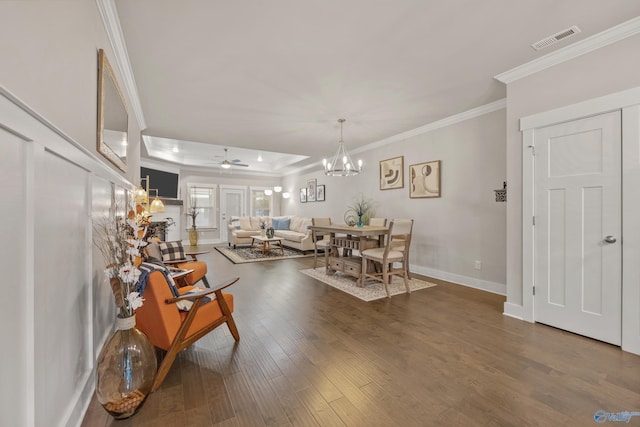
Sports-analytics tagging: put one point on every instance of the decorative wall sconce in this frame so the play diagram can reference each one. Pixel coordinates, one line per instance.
(156, 205)
(141, 196)
(268, 192)
(501, 194)
(286, 195)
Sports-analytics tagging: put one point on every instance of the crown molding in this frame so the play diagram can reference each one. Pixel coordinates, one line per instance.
(594, 42)
(109, 14)
(448, 121)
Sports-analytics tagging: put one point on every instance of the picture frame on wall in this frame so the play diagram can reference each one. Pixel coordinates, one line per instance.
(311, 190)
(303, 195)
(392, 173)
(320, 193)
(424, 180)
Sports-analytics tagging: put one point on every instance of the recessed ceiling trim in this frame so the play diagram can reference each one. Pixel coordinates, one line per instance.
(109, 15)
(596, 41)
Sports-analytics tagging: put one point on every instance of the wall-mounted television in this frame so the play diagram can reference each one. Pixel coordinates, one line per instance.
(165, 182)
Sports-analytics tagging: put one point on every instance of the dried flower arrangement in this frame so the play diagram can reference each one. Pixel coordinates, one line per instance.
(120, 241)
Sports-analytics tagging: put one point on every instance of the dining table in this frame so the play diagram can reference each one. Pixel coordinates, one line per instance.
(344, 240)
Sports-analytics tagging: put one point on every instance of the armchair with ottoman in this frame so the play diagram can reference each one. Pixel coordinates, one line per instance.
(294, 231)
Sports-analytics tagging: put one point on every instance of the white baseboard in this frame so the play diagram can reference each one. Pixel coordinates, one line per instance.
(514, 310)
(485, 285)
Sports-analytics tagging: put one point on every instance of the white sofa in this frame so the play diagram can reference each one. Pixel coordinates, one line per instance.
(294, 231)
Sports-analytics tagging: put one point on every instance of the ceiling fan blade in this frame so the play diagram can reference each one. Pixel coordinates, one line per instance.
(239, 164)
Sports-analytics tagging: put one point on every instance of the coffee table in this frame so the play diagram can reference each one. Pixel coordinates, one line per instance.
(267, 243)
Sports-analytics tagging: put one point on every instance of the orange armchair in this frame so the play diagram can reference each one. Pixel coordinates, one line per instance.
(199, 267)
(172, 329)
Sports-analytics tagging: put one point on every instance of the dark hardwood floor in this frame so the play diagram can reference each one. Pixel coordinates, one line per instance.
(311, 355)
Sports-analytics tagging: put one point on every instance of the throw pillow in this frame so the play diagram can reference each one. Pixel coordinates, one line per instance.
(172, 251)
(153, 250)
(280, 223)
(296, 222)
(245, 223)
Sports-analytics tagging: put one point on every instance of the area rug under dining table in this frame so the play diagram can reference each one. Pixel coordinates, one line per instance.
(372, 290)
(244, 254)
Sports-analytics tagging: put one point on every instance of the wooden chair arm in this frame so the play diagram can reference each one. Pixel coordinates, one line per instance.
(201, 294)
(194, 254)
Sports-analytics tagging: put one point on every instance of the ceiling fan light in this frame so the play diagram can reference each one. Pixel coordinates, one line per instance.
(225, 165)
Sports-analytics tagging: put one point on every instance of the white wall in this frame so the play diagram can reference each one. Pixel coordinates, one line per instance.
(61, 310)
(601, 72)
(50, 61)
(450, 232)
(226, 177)
(594, 83)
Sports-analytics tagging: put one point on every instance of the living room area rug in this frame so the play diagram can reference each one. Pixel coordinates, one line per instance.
(244, 254)
(372, 290)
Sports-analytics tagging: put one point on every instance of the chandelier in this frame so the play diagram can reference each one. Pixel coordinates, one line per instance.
(341, 165)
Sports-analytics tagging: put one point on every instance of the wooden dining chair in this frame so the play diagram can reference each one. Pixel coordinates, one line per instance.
(174, 318)
(396, 250)
(378, 222)
(321, 240)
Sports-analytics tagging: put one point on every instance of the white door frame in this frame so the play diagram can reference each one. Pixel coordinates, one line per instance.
(223, 225)
(628, 102)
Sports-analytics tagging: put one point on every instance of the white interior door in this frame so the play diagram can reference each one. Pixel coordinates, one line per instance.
(233, 202)
(578, 252)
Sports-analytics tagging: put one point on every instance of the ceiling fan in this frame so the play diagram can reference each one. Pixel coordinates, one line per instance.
(226, 164)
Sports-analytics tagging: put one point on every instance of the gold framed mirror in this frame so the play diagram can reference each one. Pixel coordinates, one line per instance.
(113, 117)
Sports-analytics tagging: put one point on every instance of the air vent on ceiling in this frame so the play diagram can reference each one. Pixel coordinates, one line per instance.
(548, 41)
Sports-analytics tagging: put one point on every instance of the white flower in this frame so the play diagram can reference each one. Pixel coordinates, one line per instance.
(135, 300)
(128, 273)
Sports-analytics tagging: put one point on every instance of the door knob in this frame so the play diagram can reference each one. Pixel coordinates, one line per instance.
(610, 239)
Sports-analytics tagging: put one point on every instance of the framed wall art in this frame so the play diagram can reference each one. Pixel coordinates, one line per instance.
(311, 190)
(303, 195)
(424, 180)
(320, 193)
(392, 173)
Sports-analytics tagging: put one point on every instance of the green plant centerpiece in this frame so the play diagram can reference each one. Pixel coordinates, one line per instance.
(359, 212)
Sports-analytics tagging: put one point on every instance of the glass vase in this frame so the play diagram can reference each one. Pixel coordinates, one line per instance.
(193, 237)
(126, 369)
(360, 221)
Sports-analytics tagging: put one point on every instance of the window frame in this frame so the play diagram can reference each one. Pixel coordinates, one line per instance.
(213, 205)
(252, 204)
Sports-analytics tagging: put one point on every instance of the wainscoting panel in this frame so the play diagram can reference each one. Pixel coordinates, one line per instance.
(62, 286)
(58, 308)
(15, 371)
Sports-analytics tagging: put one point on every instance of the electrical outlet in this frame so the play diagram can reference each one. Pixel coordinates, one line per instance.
(478, 265)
